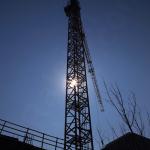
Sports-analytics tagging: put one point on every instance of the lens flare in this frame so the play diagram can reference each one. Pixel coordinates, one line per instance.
(73, 83)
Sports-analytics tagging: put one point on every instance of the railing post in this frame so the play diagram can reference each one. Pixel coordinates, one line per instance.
(56, 143)
(3, 127)
(26, 135)
(42, 140)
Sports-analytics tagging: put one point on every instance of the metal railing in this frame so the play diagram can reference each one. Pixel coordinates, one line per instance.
(31, 136)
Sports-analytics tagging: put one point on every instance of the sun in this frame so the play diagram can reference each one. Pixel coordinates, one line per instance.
(73, 83)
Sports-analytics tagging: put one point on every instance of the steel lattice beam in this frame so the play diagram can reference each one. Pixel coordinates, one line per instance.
(78, 132)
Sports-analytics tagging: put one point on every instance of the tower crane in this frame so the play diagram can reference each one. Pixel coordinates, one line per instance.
(78, 129)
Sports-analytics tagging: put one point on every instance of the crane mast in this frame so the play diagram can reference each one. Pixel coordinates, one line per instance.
(78, 129)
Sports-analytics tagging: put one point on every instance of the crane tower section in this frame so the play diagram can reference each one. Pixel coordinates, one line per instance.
(78, 131)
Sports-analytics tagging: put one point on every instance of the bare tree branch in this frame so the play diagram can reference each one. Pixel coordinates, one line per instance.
(130, 114)
(114, 132)
(122, 129)
(101, 137)
(139, 124)
(117, 101)
(148, 118)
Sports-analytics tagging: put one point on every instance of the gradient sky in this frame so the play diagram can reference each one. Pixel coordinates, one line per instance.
(33, 41)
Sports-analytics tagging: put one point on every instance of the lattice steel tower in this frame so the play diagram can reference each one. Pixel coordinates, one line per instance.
(78, 131)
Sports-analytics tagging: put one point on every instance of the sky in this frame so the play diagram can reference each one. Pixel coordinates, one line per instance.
(33, 50)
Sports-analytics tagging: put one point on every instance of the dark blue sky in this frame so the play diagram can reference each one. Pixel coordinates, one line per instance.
(33, 41)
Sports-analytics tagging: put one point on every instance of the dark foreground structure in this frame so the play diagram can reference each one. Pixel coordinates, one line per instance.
(17, 137)
(129, 141)
(10, 143)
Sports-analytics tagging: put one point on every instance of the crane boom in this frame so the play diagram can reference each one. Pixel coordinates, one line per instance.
(92, 72)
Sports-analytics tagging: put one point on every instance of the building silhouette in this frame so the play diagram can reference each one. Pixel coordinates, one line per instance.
(129, 141)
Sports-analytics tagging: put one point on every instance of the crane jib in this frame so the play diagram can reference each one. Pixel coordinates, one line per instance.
(92, 72)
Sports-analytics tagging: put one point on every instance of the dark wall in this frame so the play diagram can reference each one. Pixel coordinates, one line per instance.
(9, 143)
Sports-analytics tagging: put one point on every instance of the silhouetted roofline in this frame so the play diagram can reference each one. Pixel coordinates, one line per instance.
(126, 139)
